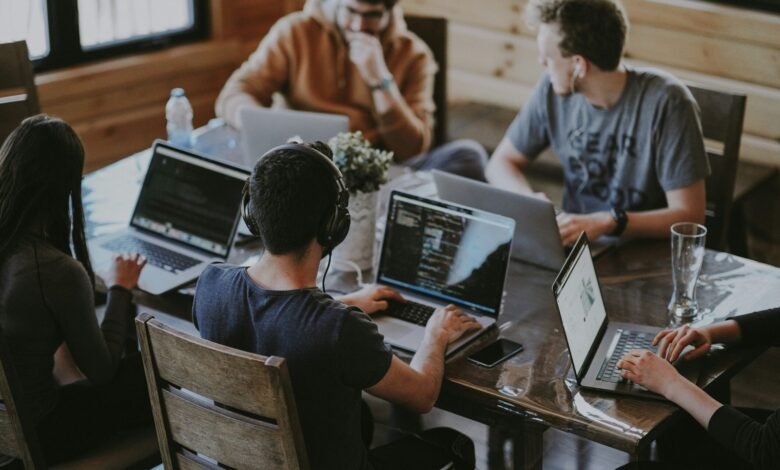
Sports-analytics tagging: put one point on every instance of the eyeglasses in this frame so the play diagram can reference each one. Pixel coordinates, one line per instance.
(368, 16)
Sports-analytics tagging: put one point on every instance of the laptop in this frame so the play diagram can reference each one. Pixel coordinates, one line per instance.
(263, 129)
(595, 343)
(185, 217)
(536, 240)
(437, 253)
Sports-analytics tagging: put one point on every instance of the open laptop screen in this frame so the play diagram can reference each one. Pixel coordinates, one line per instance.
(580, 304)
(190, 200)
(449, 252)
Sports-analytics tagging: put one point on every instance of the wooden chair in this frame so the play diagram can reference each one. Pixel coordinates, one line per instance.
(18, 95)
(19, 439)
(434, 32)
(214, 405)
(722, 115)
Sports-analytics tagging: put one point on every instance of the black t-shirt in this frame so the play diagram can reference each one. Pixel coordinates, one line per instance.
(333, 352)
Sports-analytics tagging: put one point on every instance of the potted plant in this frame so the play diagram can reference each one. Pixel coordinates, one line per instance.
(364, 169)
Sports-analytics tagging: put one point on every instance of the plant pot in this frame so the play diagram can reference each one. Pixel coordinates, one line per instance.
(358, 247)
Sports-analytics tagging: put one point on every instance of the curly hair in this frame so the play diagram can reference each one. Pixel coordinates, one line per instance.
(595, 29)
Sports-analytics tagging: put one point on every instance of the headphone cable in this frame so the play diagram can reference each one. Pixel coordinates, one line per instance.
(325, 274)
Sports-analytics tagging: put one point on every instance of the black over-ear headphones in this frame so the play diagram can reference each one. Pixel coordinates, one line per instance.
(335, 227)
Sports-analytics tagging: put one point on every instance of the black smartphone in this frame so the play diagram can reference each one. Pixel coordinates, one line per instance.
(495, 353)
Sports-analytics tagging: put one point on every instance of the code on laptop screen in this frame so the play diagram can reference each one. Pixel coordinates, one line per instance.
(189, 200)
(450, 252)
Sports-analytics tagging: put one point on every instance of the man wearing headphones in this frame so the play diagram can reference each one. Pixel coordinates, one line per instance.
(296, 202)
(629, 139)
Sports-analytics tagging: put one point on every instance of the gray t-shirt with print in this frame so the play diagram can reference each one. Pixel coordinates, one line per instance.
(626, 156)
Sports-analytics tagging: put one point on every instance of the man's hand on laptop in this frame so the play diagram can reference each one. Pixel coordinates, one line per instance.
(372, 298)
(595, 225)
(450, 323)
(125, 271)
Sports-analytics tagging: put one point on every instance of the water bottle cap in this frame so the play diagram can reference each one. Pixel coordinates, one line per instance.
(177, 92)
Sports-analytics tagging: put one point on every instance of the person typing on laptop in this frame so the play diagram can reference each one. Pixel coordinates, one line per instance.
(629, 139)
(353, 57)
(79, 387)
(296, 202)
(747, 439)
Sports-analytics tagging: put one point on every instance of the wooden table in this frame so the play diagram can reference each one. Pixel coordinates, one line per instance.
(535, 389)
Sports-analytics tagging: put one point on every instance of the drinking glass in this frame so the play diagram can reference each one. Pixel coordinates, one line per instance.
(687, 256)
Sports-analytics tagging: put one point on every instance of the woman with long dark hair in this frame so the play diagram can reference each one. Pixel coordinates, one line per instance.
(47, 296)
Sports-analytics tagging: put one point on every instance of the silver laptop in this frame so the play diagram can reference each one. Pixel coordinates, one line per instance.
(185, 218)
(595, 343)
(536, 240)
(437, 253)
(263, 129)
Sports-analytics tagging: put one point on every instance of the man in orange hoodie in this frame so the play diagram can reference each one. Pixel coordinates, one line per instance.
(353, 57)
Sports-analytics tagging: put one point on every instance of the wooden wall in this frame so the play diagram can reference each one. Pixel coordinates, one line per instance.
(493, 58)
(117, 106)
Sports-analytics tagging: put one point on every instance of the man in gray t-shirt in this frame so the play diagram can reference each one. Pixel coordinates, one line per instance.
(629, 139)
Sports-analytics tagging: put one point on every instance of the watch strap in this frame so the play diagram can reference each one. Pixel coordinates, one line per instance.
(621, 219)
(385, 84)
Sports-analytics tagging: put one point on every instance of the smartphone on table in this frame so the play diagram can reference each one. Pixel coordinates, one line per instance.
(495, 353)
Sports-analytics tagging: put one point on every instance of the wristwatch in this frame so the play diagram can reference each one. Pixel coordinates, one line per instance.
(621, 219)
(385, 84)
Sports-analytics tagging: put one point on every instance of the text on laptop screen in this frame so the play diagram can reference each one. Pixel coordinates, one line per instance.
(581, 307)
(189, 200)
(449, 252)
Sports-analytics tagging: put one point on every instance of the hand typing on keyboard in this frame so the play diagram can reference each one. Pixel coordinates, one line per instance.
(372, 298)
(647, 369)
(125, 270)
(449, 323)
(673, 342)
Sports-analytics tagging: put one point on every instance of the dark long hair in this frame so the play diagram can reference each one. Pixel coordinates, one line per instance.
(40, 188)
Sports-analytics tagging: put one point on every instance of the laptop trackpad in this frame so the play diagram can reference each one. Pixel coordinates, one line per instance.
(397, 330)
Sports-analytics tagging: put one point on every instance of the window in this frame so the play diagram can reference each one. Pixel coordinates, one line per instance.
(66, 32)
(25, 19)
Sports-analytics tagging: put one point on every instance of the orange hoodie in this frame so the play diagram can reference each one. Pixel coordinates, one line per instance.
(305, 58)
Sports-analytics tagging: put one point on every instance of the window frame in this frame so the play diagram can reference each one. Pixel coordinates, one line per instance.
(65, 43)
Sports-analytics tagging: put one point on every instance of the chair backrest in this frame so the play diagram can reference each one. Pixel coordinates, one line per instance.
(18, 94)
(212, 403)
(434, 32)
(722, 115)
(18, 438)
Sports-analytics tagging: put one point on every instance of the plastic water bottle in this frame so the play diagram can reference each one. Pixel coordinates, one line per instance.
(178, 112)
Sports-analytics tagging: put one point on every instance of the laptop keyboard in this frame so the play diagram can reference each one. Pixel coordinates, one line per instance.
(628, 341)
(158, 256)
(410, 311)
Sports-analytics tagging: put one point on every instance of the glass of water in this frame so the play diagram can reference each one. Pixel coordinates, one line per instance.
(687, 257)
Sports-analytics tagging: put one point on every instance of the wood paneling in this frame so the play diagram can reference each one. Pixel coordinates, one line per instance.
(117, 106)
(493, 56)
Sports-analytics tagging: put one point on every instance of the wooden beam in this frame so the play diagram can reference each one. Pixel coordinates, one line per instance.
(715, 56)
(495, 54)
(707, 18)
(63, 85)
